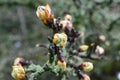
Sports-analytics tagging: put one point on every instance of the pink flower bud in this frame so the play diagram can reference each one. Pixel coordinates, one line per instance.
(99, 50)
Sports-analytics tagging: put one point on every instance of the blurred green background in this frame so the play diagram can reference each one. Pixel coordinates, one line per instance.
(21, 30)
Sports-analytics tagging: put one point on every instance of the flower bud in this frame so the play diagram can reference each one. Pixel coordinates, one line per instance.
(68, 17)
(102, 37)
(83, 47)
(86, 66)
(60, 39)
(21, 61)
(61, 65)
(107, 43)
(45, 14)
(99, 50)
(66, 22)
(84, 77)
(18, 60)
(18, 73)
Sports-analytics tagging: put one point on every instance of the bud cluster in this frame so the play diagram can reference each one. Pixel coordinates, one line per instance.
(18, 71)
(61, 50)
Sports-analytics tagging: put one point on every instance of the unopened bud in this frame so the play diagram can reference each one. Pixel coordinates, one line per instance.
(102, 37)
(18, 73)
(61, 65)
(99, 50)
(107, 43)
(83, 47)
(66, 22)
(60, 39)
(86, 66)
(18, 60)
(84, 77)
(45, 14)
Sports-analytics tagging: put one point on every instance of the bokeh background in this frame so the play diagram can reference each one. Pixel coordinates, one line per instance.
(21, 30)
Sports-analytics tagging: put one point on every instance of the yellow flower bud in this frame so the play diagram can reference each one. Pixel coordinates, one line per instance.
(61, 65)
(84, 77)
(83, 47)
(18, 72)
(86, 66)
(44, 13)
(60, 39)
